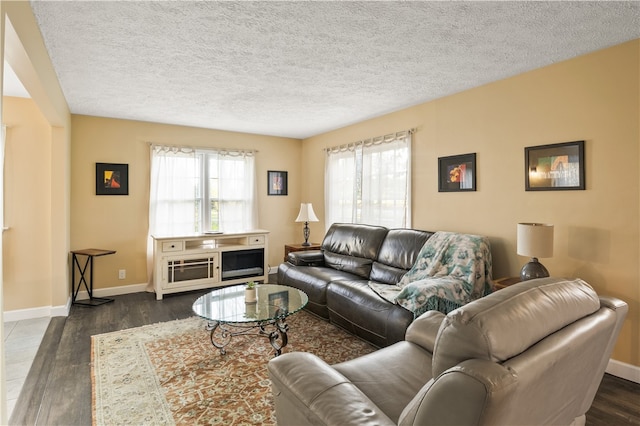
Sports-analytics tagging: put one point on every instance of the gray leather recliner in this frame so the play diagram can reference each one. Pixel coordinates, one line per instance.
(533, 353)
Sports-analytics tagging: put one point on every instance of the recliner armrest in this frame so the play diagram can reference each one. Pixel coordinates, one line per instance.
(307, 390)
(473, 381)
(424, 330)
(614, 304)
(306, 258)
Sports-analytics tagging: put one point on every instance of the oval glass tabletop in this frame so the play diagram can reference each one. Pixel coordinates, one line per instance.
(228, 305)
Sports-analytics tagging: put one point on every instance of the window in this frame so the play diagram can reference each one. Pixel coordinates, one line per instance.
(195, 191)
(370, 182)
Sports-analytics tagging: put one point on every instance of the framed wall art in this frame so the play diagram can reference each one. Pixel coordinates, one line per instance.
(112, 179)
(276, 182)
(457, 173)
(278, 300)
(554, 167)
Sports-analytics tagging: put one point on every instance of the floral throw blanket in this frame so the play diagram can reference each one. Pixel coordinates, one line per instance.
(451, 270)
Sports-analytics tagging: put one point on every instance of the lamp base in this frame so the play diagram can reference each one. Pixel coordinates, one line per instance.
(306, 232)
(532, 270)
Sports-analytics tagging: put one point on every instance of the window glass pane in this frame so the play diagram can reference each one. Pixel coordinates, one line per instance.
(214, 211)
(213, 184)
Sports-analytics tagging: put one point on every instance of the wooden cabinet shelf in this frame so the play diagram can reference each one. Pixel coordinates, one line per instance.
(204, 261)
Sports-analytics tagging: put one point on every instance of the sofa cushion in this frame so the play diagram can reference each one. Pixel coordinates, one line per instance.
(397, 254)
(358, 309)
(376, 375)
(507, 322)
(354, 239)
(355, 265)
(308, 391)
(313, 280)
(353, 247)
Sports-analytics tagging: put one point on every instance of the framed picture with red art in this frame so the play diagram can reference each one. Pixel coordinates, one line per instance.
(112, 179)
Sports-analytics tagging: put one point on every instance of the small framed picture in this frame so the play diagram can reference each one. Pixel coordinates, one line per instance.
(276, 182)
(457, 173)
(554, 167)
(278, 301)
(112, 179)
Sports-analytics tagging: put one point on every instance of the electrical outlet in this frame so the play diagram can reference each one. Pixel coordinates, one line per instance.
(122, 274)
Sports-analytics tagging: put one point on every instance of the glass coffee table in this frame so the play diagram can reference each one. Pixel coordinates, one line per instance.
(228, 314)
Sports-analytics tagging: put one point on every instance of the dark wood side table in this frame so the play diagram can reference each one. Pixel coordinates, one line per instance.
(506, 282)
(288, 248)
(88, 263)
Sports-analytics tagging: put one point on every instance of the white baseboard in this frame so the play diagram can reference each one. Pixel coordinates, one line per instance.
(623, 370)
(63, 310)
(113, 291)
(40, 312)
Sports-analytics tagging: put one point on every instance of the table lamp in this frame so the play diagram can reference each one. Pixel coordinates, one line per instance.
(306, 215)
(534, 240)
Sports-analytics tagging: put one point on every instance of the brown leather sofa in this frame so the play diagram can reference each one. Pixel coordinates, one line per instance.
(336, 278)
(531, 354)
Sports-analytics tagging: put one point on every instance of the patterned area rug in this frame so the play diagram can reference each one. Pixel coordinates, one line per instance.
(169, 373)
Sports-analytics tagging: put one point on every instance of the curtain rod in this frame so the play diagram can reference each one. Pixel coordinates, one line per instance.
(373, 141)
(196, 148)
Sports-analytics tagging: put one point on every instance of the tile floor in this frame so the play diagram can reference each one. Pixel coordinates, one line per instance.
(21, 342)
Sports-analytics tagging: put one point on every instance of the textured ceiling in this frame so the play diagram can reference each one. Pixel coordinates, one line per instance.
(297, 68)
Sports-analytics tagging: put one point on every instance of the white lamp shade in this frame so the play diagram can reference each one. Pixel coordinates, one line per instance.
(535, 239)
(306, 213)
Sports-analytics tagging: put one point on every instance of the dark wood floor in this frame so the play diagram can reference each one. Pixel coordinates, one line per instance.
(58, 388)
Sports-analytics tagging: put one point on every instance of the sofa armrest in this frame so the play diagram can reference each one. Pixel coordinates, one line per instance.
(424, 329)
(484, 386)
(307, 390)
(306, 258)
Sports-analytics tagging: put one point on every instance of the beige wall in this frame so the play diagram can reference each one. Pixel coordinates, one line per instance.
(27, 212)
(595, 98)
(121, 222)
(41, 139)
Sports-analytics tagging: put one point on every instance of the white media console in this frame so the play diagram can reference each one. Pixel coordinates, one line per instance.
(209, 260)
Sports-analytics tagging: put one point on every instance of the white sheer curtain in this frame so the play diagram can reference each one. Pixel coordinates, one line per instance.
(370, 182)
(172, 177)
(340, 186)
(174, 186)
